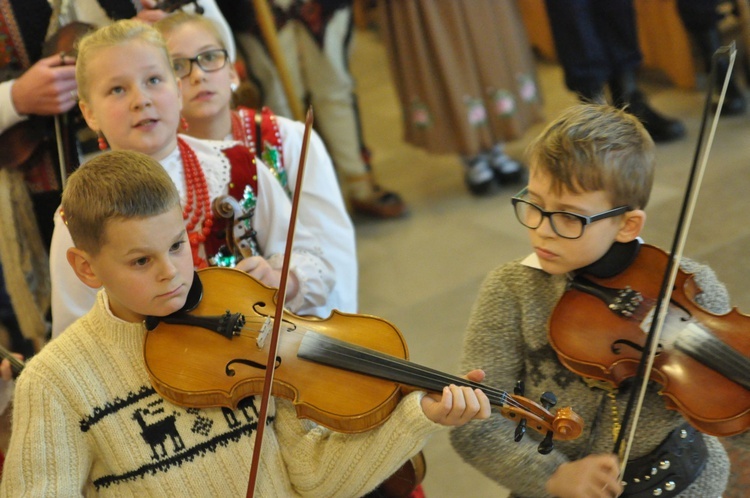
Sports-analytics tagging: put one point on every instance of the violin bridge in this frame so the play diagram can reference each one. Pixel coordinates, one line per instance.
(264, 331)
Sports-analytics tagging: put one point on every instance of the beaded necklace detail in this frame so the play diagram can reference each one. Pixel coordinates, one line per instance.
(197, 203)
(267, 145)
(242, 130)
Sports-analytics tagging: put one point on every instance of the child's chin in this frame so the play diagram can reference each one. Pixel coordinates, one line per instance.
(173, 306)
(552, 268)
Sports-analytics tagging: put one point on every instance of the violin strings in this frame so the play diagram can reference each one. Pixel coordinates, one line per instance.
(417, 372)
(496, 396)
(707, 349)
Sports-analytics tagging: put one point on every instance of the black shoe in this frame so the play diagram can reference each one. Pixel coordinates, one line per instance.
(478, 175)
(734, 101)
(661, 128)
(708, 41)
(507, 170)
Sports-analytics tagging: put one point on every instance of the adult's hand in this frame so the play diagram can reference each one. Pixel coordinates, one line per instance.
(150, 14)
(46, 88)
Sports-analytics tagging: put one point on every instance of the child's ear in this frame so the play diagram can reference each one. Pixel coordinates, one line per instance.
(632, 225)
(88, 115)
(80, 261)
(233, 76)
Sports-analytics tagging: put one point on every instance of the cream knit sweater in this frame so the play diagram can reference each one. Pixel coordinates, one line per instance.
(87, 422)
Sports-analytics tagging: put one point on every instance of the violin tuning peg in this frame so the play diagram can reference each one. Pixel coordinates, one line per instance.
(520, 430)
(546, 446)
(519, 389)
(548, 400)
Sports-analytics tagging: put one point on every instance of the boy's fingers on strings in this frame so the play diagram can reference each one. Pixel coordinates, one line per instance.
(462, 404)
(485, 408)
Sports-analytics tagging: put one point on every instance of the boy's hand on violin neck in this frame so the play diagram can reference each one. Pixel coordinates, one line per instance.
(595, 476)
(458, 405)
(47, 88)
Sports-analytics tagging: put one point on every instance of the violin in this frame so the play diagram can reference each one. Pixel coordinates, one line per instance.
(347, 372)
(599, 326)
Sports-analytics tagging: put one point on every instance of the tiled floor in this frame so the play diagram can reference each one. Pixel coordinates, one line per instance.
(423, 272)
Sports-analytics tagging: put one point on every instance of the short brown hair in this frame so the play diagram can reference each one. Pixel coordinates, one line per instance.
(114, 185)
(594, 147)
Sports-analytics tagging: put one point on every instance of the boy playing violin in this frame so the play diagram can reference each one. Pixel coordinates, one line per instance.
(87, 420)
(591, 172)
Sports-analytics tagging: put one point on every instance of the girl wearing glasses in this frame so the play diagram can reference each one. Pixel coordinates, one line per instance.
(591, 172)
(130, 97)
(199, 58)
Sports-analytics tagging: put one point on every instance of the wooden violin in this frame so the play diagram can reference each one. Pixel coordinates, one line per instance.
(347, 372)
(599, 326)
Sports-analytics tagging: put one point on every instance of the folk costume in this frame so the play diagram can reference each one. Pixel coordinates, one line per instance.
(464, 72)
(88, 422)
(277, 141)
(316, 37)
(29, 184)
(507, 335)
(227, 169)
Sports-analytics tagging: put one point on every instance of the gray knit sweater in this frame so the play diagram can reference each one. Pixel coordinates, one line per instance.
(507, 337)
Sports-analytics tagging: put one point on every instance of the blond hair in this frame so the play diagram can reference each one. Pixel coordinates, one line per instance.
(117, 33)
(180, 18)
(114, 185)
(593, 147)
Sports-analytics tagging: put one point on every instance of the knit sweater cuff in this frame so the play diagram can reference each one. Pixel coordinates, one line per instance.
(409, 417)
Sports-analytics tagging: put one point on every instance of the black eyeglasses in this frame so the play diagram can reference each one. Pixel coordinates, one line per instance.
(208, 61)
(566, 225)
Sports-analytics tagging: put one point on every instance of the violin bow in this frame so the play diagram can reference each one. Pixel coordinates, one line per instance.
(273, 345)
(683, 223)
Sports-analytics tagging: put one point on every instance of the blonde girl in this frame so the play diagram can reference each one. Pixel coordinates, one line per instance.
(130, 97)
(199, 56)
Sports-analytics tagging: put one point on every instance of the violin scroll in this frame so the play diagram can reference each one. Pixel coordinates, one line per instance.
(564, 425)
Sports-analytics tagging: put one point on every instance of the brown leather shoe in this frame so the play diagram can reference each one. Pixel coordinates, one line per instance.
(381, 204)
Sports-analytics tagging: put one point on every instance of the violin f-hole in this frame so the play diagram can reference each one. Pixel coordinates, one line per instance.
(250, 363)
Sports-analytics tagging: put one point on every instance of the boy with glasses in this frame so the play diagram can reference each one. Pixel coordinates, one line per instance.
(591, 172)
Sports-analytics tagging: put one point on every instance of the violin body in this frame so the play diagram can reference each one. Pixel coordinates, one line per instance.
(599, 328)
(191, 365)
(330, 394)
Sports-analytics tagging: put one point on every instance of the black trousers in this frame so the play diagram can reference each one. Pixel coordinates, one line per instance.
(698, 15)
(596, 40)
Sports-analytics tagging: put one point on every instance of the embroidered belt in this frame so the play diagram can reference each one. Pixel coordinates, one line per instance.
(670, 468)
